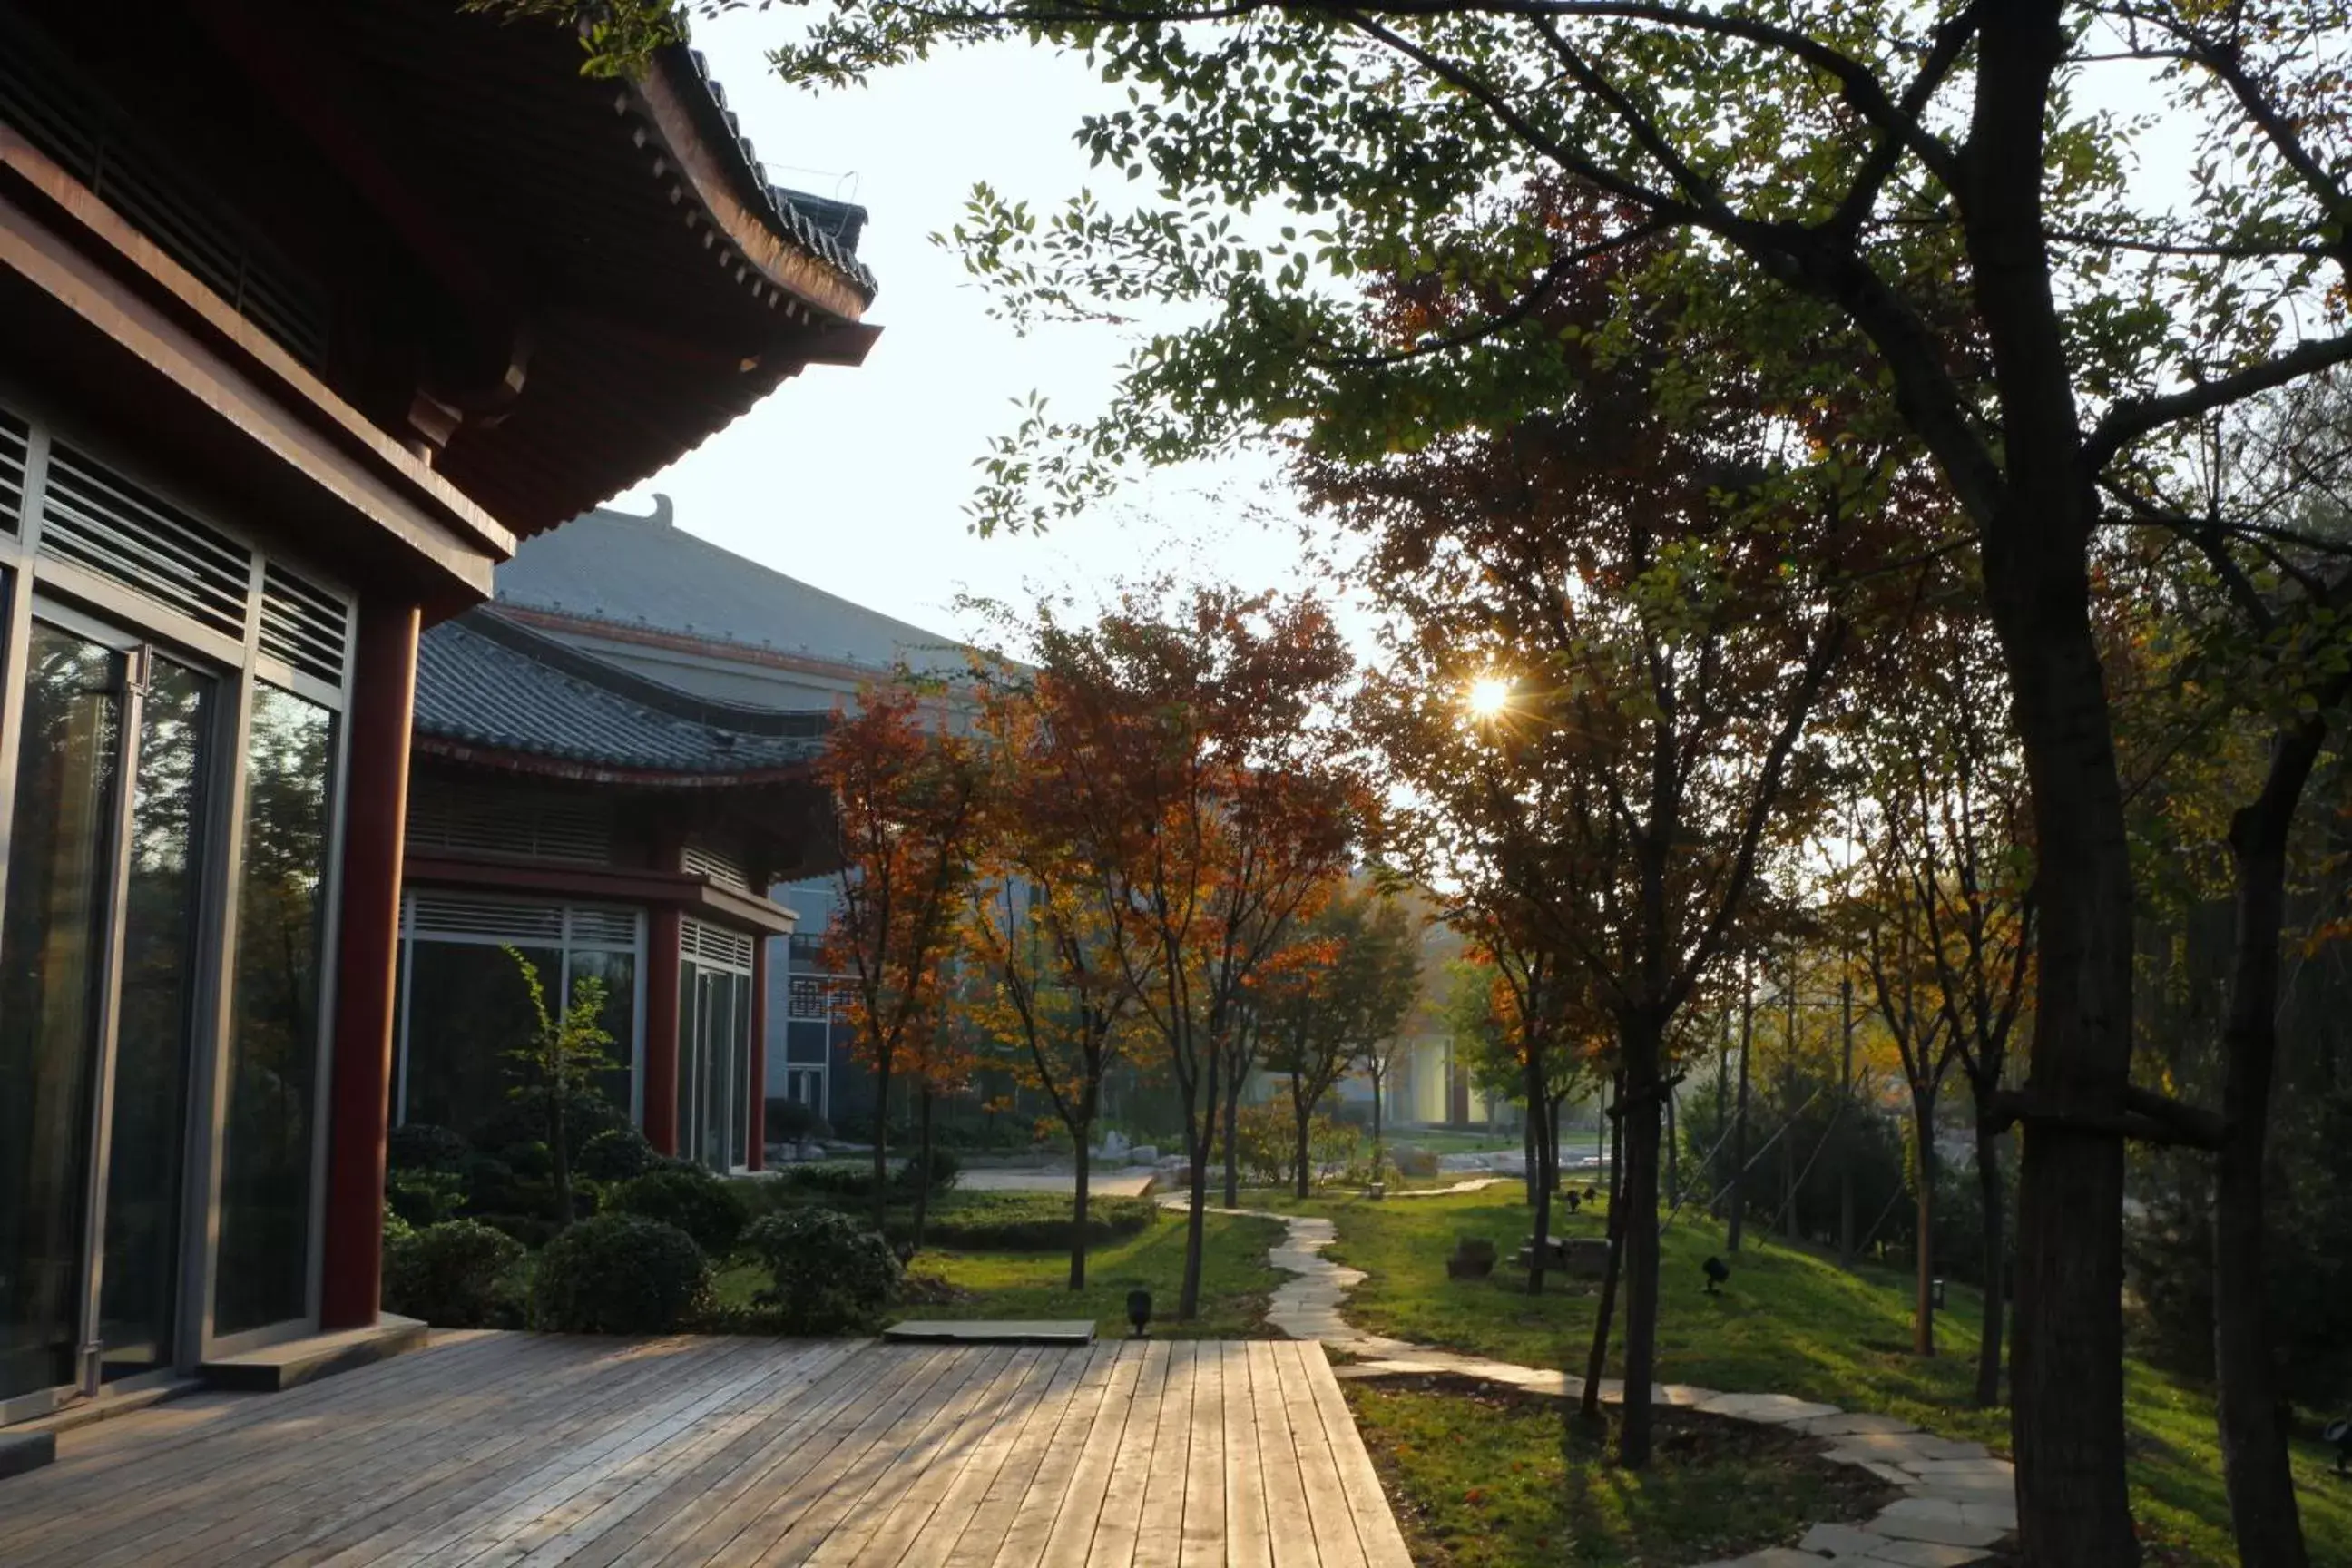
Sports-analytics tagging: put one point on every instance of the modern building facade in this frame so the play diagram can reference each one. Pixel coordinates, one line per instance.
(308, 314)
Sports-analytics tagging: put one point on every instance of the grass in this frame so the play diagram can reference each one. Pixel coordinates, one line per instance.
(1488, 1479)
(1791, 1322)
(1235, 1280)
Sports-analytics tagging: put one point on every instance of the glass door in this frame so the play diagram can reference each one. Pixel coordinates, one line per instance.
(96, 950)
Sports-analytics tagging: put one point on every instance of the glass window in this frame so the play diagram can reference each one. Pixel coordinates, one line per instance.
(52, 948)
(469, 1008)
(147, 1149)
(618, 971)
(263, 1261)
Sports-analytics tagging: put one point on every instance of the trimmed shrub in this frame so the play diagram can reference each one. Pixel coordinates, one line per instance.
(395, 1228)
(1031, 1222)
(421, 1146)
(533, 1231)
(490, 1185)
(830, 1274)
(618, 1274)
(449, 1273)
(617, 1154)
(704, 1205)
(423, 1197)
(937, 1176)
(830, 1179)
(789, 1121)
(525, 1121)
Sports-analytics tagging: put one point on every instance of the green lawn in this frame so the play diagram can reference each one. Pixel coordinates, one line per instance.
(1790, 1322)
(1484, 1479)
(1235, 1280)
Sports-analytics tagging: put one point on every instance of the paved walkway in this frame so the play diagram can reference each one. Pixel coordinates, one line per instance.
(1957, 1500)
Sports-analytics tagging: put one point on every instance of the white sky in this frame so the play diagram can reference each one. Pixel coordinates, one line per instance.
(855, 480)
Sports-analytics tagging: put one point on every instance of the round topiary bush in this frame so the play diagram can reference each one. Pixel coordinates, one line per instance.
(830, 1273)
(421, 1146)
(704, 1205)
(618, 1274)
(617, 1154)
(525, 1121)
(449, 1273)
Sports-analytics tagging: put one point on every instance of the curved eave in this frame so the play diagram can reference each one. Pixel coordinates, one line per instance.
(596, 771)
(776, 269)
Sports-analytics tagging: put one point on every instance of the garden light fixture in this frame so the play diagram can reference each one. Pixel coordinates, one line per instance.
(1716, 1272)
(1138, 1309)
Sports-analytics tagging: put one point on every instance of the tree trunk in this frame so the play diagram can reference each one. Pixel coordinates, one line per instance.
(1527, 1141)
(1596, 1360)
(882, 1148)
(1200, 1140)
(1996, 1255)
(1232, 1144)
(922, 1182)
(1673, 1159)
(1637, 1197)
(1789, 1180)
(1541, 1245)
(1379, 1153)
(558, 1148)
(2253, 1435)
(2066, 1369)
(1923, 1315)
(1738, 1200)
(1842, 1132)
(1301, 1114)
(1078, 1211)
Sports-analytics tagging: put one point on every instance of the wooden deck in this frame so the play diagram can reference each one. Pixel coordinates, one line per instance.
(524, 1448)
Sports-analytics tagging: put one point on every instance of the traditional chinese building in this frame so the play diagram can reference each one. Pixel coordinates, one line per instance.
(309, 313)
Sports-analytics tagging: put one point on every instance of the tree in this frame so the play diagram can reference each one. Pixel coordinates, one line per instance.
(1334, 1000)
(1064, 979)
(1930, 181)
(1210, 808)
(910, 801)
(559, 1063)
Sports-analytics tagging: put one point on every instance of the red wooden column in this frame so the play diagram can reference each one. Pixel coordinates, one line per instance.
(358, 1106)
(757, 1152)
(661, 1030)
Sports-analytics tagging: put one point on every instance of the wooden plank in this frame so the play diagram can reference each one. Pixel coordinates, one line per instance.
(1246, 1544)
(1159, 1532)
(951, 1476)
(1203, 1542)
(279, 1447)
(936, 1542)
(431, 1526)
(985, 1533)
(786, 1485)
(795, 1517)
(904, 1480)
(1042, 1504)
(1066, 1545)
(613, 1510)
(1376, 1525)
(234, 1423)
(1121, 1521)
(1332, 1522)
(1286, 1498)
(785, 1444)
(774, 1373)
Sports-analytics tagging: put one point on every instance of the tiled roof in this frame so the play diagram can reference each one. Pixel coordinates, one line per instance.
(484, 681)
(826, 229)
(633, 570)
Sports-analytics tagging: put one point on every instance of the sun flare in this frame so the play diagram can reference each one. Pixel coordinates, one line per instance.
(1488, 696)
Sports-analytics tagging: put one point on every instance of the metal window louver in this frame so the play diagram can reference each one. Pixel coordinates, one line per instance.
(601, 928)
(716, 946)
(306, 626)
(507, 919)
(15, 443)
(46, 99)
(724, 869)
(98, 521)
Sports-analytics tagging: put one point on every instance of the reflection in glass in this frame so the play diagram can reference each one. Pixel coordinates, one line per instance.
(467, 1008)
(139, 1285)
(52, 967)
(618, 971)
(263, 1266)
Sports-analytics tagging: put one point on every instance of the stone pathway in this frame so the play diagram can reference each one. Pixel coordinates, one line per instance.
(1957, 1500)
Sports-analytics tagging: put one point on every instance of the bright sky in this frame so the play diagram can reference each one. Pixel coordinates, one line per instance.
(856, 480)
